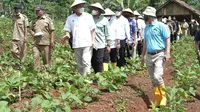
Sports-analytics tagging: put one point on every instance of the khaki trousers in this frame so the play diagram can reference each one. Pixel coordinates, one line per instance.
(19, 49)
(44, 51)
(83, 59)
(155, 64)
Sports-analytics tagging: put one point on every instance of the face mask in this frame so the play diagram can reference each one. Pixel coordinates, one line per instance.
(95, 12)
(80, 10)
(117, 13)
(108, 18)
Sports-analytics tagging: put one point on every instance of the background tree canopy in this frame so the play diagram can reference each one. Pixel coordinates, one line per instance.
(59, 9)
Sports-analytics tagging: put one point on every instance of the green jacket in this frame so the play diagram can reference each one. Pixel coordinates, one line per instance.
(102, 33)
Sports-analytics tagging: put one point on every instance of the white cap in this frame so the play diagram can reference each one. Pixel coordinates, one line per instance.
(150, 11)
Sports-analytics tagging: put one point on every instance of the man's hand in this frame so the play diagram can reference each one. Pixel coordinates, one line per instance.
(167, 57)
(118, 46)
(135, 43)
(128, 43)
(52, 45)
(63, 41)
(25, 39)
(108, 49)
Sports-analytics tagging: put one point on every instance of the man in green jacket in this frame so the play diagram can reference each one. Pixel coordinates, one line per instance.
(102, 41)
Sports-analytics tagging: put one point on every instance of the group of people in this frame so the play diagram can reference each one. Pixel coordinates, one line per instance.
(42, 29)
(111, 35)
(179, 29)
(105, 34)
(98, 38)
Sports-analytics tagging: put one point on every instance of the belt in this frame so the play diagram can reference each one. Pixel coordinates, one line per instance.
(153, 53)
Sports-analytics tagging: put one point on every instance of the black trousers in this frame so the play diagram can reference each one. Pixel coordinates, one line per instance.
(121, 61)
(106, 56)
(97, 60)
(140, 47)
(113, 55)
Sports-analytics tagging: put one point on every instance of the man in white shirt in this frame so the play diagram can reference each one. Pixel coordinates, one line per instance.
(141, 26)
(123, 33)
(83, 33)
(109, 14)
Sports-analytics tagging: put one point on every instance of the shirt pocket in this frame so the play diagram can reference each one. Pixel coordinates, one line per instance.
(45, 25)
(20, 24)
(155, 32)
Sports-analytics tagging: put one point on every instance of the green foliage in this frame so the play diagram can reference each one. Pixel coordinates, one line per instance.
(121, 105)
(5, 28)
(62, 76)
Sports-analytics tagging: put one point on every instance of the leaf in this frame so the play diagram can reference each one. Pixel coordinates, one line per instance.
(67, 107)
(46, 104)
(88, 99)
(36, 101)
(4, 106)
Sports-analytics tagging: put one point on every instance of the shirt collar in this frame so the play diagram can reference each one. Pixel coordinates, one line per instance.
(153, 24)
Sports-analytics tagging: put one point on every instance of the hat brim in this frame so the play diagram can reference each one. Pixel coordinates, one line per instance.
(148, 14)
(128, 12)
(79, 4)
(17, 8)
(90, 7)
(109, 14)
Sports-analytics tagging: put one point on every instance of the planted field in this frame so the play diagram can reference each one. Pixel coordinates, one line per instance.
(60, 88)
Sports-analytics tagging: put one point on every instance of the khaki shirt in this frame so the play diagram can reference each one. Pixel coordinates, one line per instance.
(45, 26)
(19, 24)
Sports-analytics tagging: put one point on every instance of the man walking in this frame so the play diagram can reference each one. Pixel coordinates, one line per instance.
(123, 34)
(19, 38)
(43, 33)
(82, 27)
(114, 42)
(131, 49)
(102, 41)
(157, 45)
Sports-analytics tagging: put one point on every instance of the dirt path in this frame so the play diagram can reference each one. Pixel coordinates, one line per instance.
(137, 94)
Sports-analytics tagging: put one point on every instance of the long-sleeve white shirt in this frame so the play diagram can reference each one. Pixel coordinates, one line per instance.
(122, 28)
(81, 27)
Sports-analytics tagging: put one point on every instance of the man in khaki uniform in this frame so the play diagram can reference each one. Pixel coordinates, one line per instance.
(19, 38)
(43, 33)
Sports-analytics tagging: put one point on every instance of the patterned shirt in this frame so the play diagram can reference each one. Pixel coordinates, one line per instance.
(133, 28)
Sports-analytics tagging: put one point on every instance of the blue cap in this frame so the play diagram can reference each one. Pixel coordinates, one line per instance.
(18, 6)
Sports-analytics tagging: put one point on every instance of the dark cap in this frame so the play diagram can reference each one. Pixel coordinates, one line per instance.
(39, 7)
(118, 8)
(18, 6)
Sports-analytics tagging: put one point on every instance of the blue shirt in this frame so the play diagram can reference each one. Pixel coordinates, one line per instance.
(155, 36)
(133, 28)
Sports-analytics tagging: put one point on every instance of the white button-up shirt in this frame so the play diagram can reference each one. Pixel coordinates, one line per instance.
(122, 28)
(141, 25)
(81, 27)
(112, 30)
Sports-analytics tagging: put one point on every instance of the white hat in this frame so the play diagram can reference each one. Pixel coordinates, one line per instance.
(108, 12)
(150, 11)
(128, 10)
(77, 2)
(136, 13)
(97, 5)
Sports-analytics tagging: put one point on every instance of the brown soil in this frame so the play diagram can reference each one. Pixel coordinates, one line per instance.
(136, 93)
